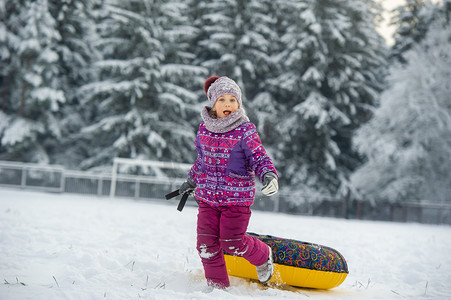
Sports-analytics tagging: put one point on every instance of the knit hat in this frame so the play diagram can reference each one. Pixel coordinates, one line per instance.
(216, 86)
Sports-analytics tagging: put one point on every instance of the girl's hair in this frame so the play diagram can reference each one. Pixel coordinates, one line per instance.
(213, 113)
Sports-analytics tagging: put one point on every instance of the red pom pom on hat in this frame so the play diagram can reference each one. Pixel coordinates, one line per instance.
(208, 82)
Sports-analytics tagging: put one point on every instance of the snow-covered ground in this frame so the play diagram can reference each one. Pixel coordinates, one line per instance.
(59, 246)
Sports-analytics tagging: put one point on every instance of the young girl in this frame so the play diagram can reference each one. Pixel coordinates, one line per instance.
(230, 155)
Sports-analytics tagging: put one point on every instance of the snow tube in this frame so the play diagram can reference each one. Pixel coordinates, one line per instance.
(296, 263)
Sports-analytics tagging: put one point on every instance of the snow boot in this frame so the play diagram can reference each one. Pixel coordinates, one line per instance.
(265, 271)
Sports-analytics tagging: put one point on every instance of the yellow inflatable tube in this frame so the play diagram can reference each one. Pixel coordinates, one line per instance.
(296, 263)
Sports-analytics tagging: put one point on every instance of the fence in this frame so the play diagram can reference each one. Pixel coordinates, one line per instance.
(153, 188)
(57, 179)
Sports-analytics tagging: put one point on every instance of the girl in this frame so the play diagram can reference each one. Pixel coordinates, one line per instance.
(230, 155)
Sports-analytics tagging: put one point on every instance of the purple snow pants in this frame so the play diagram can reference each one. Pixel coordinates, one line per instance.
(225, 228)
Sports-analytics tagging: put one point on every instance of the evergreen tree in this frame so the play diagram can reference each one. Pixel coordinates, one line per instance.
(182, 81)
(31, 95)
(235, 39)
(332, 61)
(76, 51)
(412, 20)
(408, 142)
(121, 106)
(5, 55)
(142, 104)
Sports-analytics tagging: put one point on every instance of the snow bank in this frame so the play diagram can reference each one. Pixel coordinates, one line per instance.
(57, 246)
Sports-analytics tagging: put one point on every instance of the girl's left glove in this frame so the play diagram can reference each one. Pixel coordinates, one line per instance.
(270, 184)
(187, 187)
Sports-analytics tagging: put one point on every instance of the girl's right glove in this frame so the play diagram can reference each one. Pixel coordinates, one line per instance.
(187, 187)
(270, 184)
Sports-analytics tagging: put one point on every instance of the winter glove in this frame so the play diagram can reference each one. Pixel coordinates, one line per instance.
(187, 187)
(270, 184)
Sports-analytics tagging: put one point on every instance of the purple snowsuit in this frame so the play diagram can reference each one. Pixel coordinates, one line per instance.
(224, 172)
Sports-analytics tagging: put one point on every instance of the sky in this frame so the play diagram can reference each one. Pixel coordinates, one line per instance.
(385, 29)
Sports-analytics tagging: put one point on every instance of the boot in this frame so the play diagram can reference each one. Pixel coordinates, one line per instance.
(265, 271)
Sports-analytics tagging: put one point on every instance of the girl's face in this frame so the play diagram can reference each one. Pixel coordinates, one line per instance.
(225, 106)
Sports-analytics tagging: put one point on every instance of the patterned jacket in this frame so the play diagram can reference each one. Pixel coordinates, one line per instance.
(227, 164)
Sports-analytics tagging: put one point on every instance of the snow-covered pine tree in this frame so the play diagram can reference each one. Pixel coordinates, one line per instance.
(31, 95)
(76, 51)
(182, 81)
(122, 106)
(5, 58)
(140, 105)
(332, 62)
(412, 20)
(269, 99)
(408, 142)
(235, 38)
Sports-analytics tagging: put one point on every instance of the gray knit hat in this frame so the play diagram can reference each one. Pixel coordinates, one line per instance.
(216, 86)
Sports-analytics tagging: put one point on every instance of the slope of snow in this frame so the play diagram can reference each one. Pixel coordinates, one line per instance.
(58, 246)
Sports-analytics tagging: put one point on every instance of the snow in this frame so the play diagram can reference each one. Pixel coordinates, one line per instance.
(48, 56)
(4, 121)
(64, 246)
(19, 130)
(45, 94)
(203, 252)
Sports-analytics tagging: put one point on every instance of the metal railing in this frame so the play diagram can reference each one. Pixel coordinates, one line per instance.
(53, 178)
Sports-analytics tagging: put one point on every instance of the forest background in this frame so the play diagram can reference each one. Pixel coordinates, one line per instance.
(341, 113)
